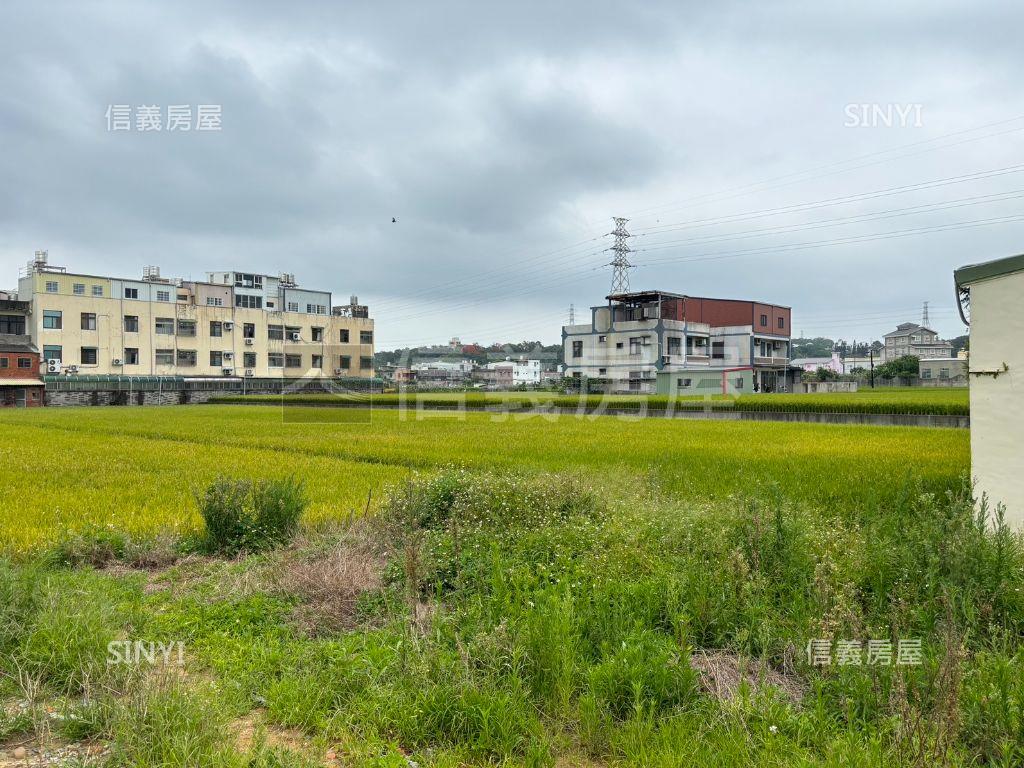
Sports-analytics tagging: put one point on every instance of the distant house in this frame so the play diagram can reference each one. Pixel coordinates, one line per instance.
(990, 301)
(20, 385)
(812, 364)
(914, 339)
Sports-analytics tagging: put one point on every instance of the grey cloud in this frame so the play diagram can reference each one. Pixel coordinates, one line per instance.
(498, 133)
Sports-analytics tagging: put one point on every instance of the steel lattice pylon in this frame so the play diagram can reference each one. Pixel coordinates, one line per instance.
(620, 260)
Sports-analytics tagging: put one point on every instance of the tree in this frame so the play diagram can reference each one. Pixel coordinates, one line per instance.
(904, 367)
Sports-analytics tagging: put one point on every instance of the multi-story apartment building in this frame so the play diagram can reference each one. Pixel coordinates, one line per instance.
(914, 339)
(654, 340)
(231, 324)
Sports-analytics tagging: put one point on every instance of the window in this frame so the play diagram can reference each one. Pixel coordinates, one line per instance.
(943, 373)
(293, 361)
(275, 360)
(243, 280)
(78, 289)
(97, 290)
(214, 301)
(602, 339)
(186, 327)
(683, 383)
(131, 356)
(164, 326)
(318, 334)
(738, 382)
(293, 306)
(275, 332)
(675, 345)
(88, 355)
(577, 349)
(52, 353)
(163, 295)
(216, 328)
(131, 323)
(318, 361)
(216, 359)
(52, 319)
(4, 362)
(165, 357)
(182, 297)
(12, 324)
(249, 330)
(618, 345)
(248, 302)
(366, 337)
(249, 359)
(88, 321)
(270, 304)
(365, 363)
(51, 287)
(634, 345)
(24, 362)
(131, 293)
(344, 335)
(782, 323)
(718, 350)
(310, 308)
(291, 332)
(926, 373)
(764, 319)
(186, 357)
(344, 362)
(602, 371)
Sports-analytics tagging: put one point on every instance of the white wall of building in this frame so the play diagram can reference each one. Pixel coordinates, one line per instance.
(997, 401)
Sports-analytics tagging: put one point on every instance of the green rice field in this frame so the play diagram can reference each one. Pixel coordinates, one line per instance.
(137, 469)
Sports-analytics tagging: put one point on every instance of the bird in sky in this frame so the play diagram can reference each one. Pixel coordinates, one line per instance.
(394, 220)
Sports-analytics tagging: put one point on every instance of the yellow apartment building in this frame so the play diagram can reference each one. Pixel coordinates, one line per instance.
(237, 324)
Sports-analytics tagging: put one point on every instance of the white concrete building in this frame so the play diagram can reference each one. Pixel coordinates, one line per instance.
(638, 336)
(523, 371)
(991, 296)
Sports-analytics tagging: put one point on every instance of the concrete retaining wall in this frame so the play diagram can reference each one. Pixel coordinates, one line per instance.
(166, 397)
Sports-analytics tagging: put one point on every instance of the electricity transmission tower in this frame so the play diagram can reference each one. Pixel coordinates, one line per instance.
(620, 261)
(924, 316)
(572, 314)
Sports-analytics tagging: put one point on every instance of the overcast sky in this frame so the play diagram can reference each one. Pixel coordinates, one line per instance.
(503, 138)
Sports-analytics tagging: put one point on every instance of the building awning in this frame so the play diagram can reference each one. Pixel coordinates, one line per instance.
(21, 383)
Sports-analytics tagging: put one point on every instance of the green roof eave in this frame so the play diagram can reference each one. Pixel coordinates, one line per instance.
(972, 273)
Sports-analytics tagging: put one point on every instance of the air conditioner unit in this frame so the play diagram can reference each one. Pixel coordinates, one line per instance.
(228, 326)
(228, 355)
(71, 369)
(339, 371)
(116, 361)
(53, 366)
(248, 342)
(248, 372)
(227, 371)
(296, 337)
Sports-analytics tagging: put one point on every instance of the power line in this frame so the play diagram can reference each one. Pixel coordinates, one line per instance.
(860, 197)
(748, 188)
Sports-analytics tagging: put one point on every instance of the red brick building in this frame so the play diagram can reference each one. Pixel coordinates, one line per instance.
(20, 382)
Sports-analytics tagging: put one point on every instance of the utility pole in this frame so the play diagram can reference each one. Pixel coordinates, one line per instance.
(872, 357)
(620, 261)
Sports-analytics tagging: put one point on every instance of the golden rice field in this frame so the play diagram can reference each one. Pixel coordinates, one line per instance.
(136, 469)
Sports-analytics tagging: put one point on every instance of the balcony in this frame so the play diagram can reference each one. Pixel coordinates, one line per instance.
(772, 361)
(698, 359)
